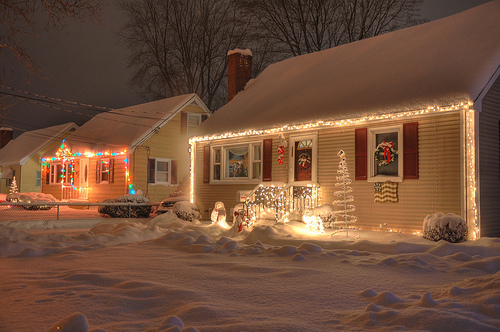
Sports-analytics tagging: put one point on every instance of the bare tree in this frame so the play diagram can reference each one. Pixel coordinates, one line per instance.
(305, 26)
(180, 46)
(18, 23)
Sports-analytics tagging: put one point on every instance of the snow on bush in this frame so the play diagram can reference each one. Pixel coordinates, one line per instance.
(135, 210)
(449, 227)
(35, 198)
(187, 211)
(326, 213)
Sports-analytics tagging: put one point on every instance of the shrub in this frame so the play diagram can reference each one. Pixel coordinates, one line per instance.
(449, 227)
(136, 210)
(187, 211)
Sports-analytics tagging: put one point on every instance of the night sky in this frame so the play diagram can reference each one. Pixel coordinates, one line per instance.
(86, 63)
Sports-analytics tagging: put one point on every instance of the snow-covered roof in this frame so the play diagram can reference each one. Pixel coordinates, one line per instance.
(19, 150)
(433, 64)
(128, 127)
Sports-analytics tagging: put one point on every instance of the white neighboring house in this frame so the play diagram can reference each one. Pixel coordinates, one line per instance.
(20, 157)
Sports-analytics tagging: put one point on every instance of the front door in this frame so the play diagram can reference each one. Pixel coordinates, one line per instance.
(84, 178)
(303, 160)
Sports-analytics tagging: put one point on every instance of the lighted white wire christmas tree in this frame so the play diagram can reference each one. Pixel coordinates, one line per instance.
(345, 208)
(13, 186)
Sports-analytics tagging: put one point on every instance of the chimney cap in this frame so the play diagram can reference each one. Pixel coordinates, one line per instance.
(246, 52)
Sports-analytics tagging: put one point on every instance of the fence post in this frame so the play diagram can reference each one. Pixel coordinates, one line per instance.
(57, 212)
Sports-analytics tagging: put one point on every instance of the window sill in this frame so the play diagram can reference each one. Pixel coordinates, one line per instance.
(385, 178)
(253, 181)
(163, 184)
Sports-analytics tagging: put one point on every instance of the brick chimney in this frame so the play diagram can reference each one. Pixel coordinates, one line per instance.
(239, 71)
(6, 135)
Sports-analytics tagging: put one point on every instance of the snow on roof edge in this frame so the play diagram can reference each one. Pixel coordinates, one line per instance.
(178, 108)
(43, 132)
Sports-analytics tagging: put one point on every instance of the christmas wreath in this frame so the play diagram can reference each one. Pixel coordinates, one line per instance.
(304, 160)
(384, 153)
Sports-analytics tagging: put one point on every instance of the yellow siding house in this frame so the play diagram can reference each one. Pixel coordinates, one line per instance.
(141, 149)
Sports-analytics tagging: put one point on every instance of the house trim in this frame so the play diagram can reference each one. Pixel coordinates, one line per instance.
(193, 99)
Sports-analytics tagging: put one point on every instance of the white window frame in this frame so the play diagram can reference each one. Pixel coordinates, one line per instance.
(251, 161)
(371, 167)
(189, 117)
(169, 172)
(53, 175)
(314, 164)
(101, 171)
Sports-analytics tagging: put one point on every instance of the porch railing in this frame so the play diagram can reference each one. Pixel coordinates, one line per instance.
(261, 201)
(295, 198)
(282, 201)
(72, 192)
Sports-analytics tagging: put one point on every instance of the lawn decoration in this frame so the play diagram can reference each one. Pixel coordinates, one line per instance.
(282, 144)
(344, 179)
(219, 213)
(13, 187)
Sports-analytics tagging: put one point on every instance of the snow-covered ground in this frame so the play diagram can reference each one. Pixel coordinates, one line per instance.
(166, 274)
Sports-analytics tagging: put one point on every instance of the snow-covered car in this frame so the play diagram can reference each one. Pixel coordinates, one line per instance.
(168, 203)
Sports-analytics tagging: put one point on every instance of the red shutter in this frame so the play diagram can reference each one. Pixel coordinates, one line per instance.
(98, 171)
(267, 159)
(151, 170)
(206, 164)
(173, 177)
(410, 150)
(360, 155)
(111, 171)
(184, 123)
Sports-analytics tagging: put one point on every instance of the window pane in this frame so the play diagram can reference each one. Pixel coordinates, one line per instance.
(38, 181)
(256, 170)
(193, 120)
(257, 150)
(236, 162)
(217, 155)
(104, 170)
(162, 171)
(162, 166)
(216, 172)
(385, 154)
(59, 173)
(161, 176)
(305, 144)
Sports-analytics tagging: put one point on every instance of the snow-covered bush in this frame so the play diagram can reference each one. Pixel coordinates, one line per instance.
(325, 212)
(35, 198)
(187, 211)
(449, 227)
(135, 210)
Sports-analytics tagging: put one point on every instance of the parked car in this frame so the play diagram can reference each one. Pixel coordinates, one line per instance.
(168, 203)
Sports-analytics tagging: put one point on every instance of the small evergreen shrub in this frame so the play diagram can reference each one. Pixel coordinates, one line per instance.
(448, 227)
(187, 211)
(136, 210)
